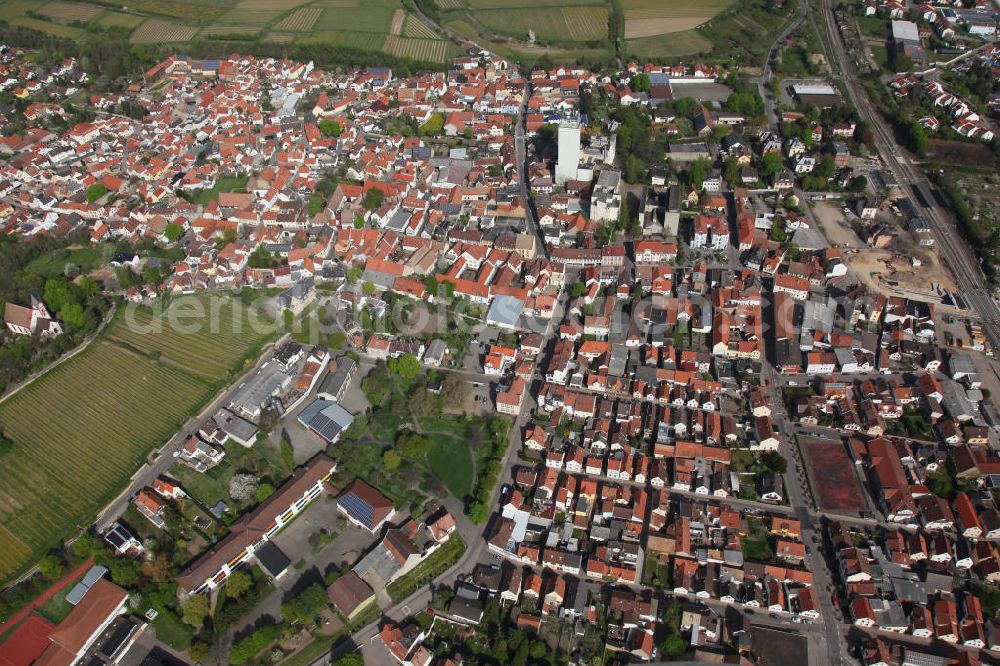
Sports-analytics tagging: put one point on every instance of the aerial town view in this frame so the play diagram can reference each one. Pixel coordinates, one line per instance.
(489, 332)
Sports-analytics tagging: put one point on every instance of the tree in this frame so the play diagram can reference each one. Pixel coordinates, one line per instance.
(413, 445)
(686, 106)
(352, 659)
(373, 198)
(478, 512)
(641, 83)
(173, 231)
(406, 366)
(238, 583)
(775, 462)
(329, 127)
(698, 172)
(302, 609)
(57, 293)
(198, 652)
(73, 315)
(196, 609)
(88, 288)
(125, 572)
(246, 649)
(635, 169)
(827, 168)
(901, 62)
(264, 491)
(242, 486)
(770, 164)
(367, 288)
(51, 566)
(918, 141)
(95, 192)
(858, 184)
(159, 569)
(673, 645)
(391, 460)
(778, 230)
(86, 546)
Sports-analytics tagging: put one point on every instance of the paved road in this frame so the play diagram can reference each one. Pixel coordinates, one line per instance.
(954, 251)
(772, 53)
(521, 153)
(795, 490)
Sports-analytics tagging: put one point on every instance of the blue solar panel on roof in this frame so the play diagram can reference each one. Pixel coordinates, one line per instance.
(357, 508)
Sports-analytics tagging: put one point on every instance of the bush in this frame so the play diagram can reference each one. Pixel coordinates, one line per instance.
(196, 610)
(303, 608)
(246, 649)
(51, 566)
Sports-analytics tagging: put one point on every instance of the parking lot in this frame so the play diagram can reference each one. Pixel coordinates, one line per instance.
(301, 540)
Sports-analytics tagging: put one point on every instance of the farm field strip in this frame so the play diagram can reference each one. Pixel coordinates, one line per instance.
(359, 40)
(217, 29)
(257, 18)
(56, 29)
(586, 23)
(13, 8)
(280, 5)
(154, 31)
(123, 20)
(433, 50)
(301, 20)
(477, 5)
(375, 17)
(81, 430)
(684, 43)
(555, 23)
(87, 425)
(279, 37)
(191, 11)
(396, 26)
(414, 27)
(70, 11)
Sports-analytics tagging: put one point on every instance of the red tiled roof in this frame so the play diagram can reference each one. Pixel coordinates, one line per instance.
(27, 642)
(101, 600)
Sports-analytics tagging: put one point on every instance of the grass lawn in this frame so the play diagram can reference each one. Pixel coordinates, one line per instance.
(428, 570)
(222, 184)
(57, 608)
(756, 544)
(172, 631)
(881, 55)
(53, 263)
(873, 26)
(450, 461)
(209, 488)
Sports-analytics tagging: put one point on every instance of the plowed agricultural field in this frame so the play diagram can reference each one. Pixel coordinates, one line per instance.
(646, 18)
(80, 431)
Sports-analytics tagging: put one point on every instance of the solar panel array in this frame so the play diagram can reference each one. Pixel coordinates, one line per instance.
(325, 427)
(357, 508)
